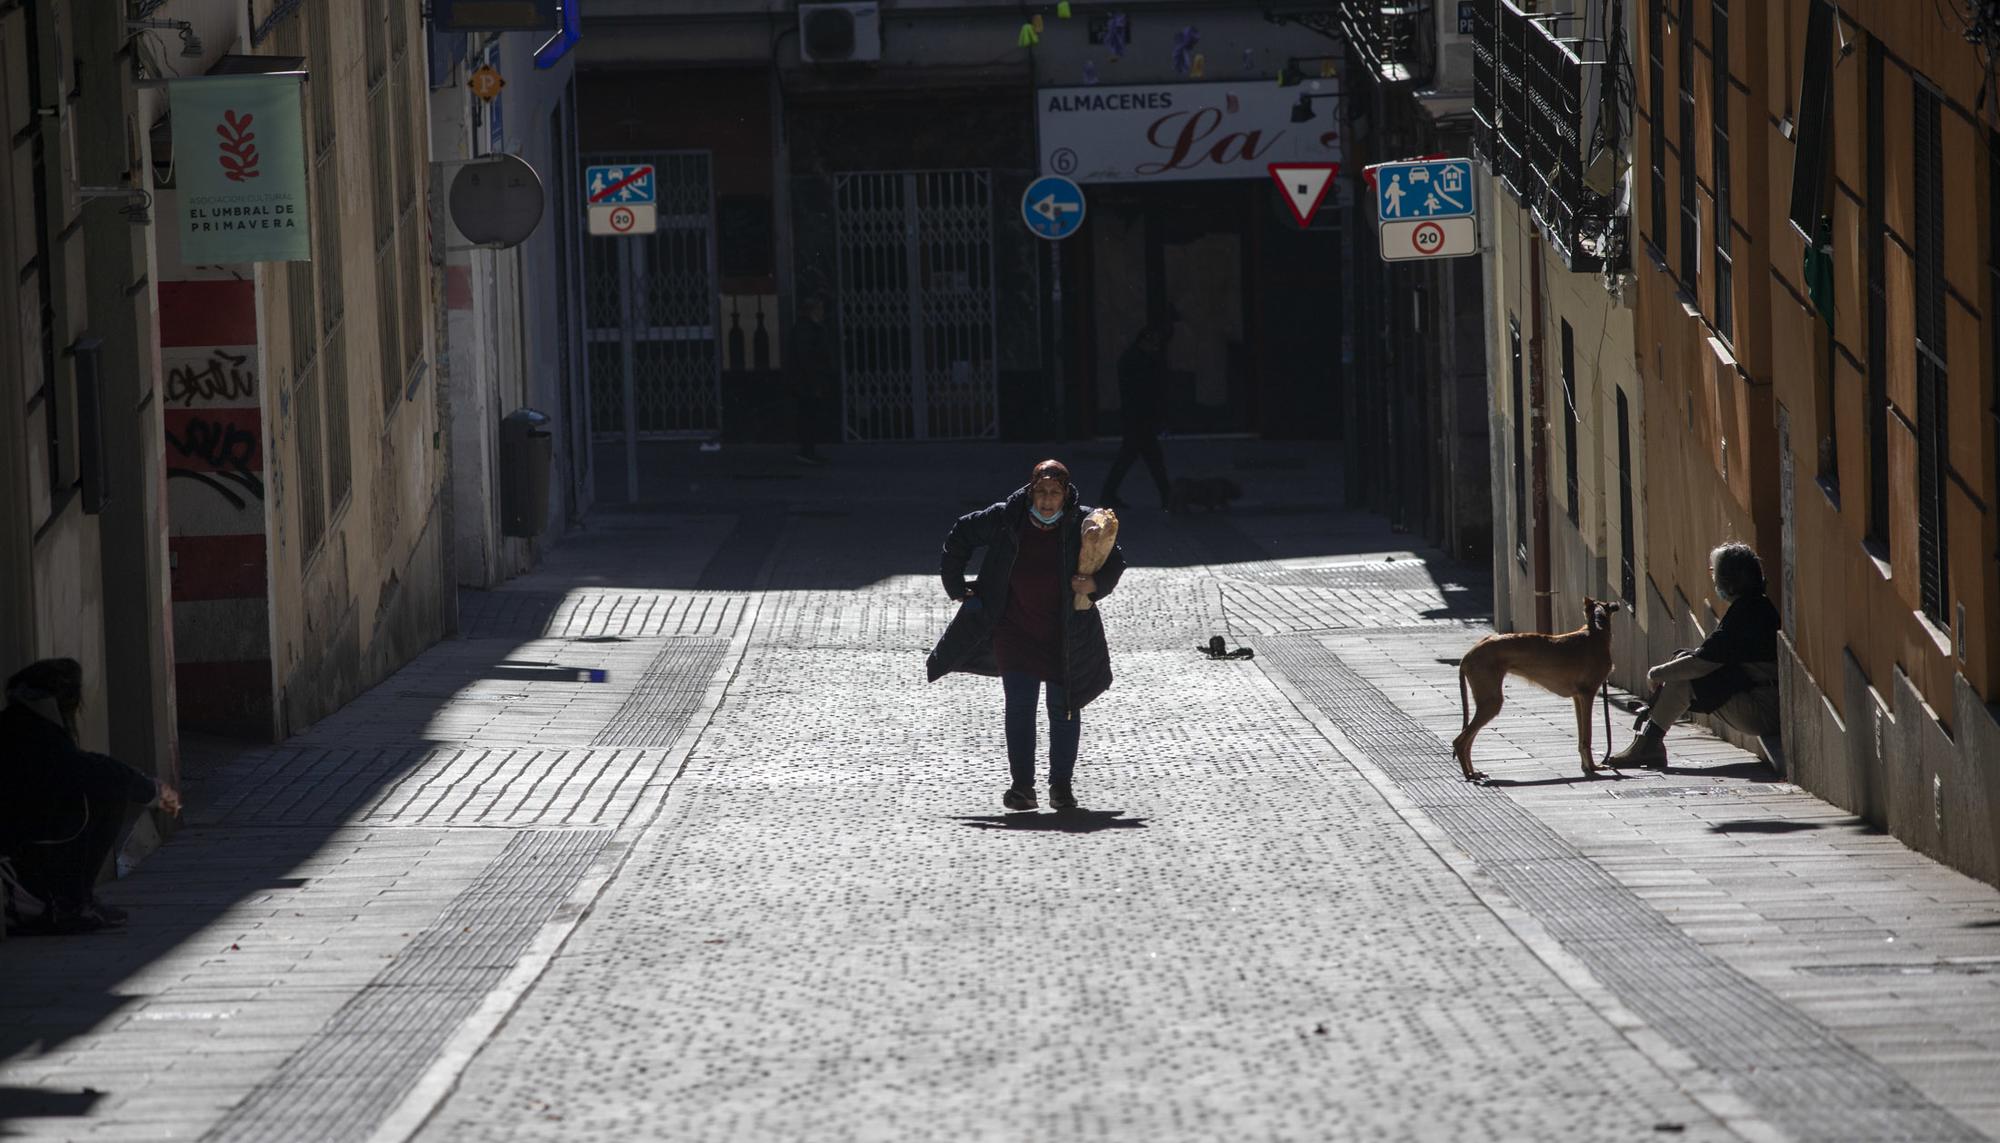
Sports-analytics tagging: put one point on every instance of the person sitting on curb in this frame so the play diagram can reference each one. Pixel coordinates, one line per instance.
(1732, 675)
(65, 809)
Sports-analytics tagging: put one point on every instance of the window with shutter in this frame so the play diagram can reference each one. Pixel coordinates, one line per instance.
(1520, 443)
(1690, 204)
(1932, 455)
(1628, 584)
(1809, 134)
(1877, 408)
(1725, 283)
(1569, 419)
(1656, 69)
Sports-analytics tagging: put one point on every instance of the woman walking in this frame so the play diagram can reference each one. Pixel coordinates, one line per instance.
(1018, 621)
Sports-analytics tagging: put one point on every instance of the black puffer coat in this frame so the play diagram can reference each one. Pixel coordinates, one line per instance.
(967, 644)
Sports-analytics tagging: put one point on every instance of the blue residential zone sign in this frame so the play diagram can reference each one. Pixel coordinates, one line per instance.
(632, 183)
(1052, 207)
(1428, 188)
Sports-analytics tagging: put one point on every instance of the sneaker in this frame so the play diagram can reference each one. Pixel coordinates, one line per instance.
(1061, 797)
(1019, 799)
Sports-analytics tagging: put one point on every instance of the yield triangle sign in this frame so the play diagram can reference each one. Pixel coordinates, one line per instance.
(1305, 186)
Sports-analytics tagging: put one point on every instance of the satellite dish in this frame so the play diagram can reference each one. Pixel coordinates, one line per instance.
(497, 201)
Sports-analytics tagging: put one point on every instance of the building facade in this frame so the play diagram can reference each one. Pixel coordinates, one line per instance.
(889, 182)
(1567, 407)
(512, 329)
(1882, 142)
(1418, 439)
(1793, 348)
(84, 562)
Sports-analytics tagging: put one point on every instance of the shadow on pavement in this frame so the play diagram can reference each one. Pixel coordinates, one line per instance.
(1747, 771)
(1764, 825)
(46, 1103)
(1565, 780)
(1062, 821)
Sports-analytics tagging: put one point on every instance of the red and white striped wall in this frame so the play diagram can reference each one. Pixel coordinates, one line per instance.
(217, 529)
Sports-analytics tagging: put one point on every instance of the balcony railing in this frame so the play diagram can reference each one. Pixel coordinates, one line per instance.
(1397, 39)
(1530, 90)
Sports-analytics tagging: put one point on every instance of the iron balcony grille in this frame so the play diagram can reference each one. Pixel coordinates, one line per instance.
(1397, 39)
(1529, 92)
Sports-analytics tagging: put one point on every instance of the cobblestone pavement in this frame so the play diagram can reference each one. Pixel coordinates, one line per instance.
(756, 884)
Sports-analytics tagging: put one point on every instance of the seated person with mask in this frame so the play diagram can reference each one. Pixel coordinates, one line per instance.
(63, 810)
(1732, 675)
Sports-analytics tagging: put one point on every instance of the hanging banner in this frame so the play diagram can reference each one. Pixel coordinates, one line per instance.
(240, 166)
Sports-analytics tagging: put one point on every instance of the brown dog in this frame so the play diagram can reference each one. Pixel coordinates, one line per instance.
(1574, 665)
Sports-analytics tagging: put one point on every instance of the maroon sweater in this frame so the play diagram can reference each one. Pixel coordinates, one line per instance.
(1029, 635)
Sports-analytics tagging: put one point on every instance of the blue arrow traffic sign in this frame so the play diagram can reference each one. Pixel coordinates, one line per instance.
(1052, 207)
(631, 183)
(1424, 189)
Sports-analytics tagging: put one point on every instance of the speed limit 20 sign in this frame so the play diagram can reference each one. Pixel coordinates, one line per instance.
(1429, 238)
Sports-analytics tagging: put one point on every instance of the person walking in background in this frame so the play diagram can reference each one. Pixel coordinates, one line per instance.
(812, 370)
(1142, 410)
(1733, 674)
(63, 810)
(1020, 622)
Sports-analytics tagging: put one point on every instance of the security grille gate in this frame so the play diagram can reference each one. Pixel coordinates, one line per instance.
(651, 311)
(916, 305)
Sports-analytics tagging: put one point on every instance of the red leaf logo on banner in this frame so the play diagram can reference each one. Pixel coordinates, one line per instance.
(239, 147)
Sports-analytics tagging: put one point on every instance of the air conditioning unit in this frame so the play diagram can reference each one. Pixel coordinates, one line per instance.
(840, 33)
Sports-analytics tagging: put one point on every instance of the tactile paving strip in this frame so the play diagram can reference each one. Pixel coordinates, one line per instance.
(657, 710)
(431, 786)
(353, 1071)
(599, 615)
(1808, 1081)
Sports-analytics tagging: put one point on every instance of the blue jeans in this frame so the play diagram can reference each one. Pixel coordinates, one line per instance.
(1022, 689)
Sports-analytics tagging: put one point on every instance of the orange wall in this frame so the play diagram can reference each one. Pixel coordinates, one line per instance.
(1851, 604)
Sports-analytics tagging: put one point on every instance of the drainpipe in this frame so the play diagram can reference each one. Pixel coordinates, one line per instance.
(1538, 436)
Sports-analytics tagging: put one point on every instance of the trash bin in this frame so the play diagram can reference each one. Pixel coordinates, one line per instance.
(525, 454)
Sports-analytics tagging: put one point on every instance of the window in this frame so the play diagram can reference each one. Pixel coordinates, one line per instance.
(1520, 442)
(1628, 579)
(325, 175)
(312, 474)
(1690, 203)
(339, 452)
(1656, 69)
(1877, 408)
(1932, 454)
(1993, 270)
(1809, 134)
(1725, 300)
(1569, 419)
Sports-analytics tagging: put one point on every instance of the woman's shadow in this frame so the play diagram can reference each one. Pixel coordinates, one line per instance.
(1061, 821)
